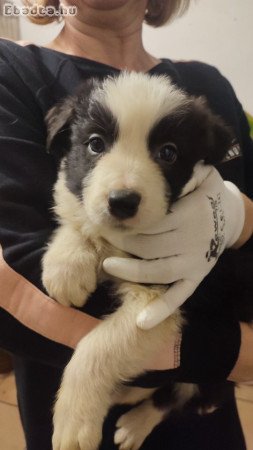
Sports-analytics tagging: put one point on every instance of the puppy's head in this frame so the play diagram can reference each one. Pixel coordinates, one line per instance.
(130, 146)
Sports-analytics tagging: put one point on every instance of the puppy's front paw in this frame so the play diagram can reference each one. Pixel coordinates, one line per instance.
(135, 426)
(73, 438)
(74, 428)
(70, 281)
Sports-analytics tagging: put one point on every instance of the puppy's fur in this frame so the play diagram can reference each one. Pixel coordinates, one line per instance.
(129, 147)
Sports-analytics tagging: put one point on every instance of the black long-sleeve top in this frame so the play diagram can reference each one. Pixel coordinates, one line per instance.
(32, 79)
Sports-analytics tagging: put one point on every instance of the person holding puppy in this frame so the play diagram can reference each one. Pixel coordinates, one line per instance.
(103, 39)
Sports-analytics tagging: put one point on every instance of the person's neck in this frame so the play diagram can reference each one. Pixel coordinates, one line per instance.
(120, 47)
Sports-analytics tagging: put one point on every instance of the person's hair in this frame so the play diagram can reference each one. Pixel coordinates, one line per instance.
(158, 12)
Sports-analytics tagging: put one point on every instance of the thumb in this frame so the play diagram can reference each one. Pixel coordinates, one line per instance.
(125, 268)
(160, 309)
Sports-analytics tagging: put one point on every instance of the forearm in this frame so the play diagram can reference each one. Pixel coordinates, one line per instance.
(248, 224)
(243, 369)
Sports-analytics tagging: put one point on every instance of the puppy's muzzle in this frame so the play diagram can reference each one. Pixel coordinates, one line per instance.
(123, 204)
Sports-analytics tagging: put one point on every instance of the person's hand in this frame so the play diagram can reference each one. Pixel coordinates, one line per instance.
(183, 248)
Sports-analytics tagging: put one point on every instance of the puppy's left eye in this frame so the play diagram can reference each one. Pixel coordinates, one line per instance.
(96, 144)
(168, 153)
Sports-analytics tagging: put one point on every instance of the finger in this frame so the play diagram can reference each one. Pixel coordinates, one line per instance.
(159, 271)
(162, 308)
(149, 246)
(120, 241)
(165, 225)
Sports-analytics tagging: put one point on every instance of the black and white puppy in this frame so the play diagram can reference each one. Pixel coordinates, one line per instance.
(130, 146)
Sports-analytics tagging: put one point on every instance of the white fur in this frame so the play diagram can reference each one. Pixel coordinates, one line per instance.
(116, 350)
(113, 352)
(120, 169)
(135, 426)
(131, 395)
(128, 165)
(147, 98)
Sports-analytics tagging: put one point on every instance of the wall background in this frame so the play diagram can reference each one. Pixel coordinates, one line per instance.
(219, 32)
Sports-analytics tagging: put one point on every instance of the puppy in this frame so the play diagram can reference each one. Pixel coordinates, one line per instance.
(129, 147)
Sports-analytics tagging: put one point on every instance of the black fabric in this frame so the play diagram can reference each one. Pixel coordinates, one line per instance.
(32, 79)
(209, 351)
(220, 430)
(36, 388)
(196, 366)
(32, 345)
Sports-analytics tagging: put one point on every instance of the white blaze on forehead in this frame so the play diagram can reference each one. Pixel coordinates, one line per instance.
(138, 101)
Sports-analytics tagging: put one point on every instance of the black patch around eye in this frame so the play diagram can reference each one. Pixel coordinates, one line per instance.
(189, 137)
(98, 120)
(92, 118)
(175, 169)
(96, 145)
(102, 119)
(198, 134)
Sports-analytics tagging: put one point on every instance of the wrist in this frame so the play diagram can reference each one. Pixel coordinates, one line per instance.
(243, 369)
(247, 230)
(236, 205)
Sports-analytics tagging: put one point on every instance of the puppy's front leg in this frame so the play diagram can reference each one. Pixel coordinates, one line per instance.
(69, 267)
(113, 352)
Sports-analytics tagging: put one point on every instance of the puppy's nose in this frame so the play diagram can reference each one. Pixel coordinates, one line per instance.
(124, 203)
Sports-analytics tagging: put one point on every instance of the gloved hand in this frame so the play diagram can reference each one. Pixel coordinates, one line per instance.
(183, 248)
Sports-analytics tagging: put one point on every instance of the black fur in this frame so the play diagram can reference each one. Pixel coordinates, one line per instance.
(198, 135)
(70, 124)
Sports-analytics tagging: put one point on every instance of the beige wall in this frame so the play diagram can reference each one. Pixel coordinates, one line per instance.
(219, 32)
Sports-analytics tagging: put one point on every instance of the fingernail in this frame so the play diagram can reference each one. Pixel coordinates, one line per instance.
(142, 320)
(109, 264)
(145, 320)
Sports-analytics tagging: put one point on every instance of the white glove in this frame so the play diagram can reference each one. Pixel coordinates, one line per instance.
(183, 248)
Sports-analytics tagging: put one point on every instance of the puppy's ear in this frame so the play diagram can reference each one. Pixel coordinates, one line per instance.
(59, 117)
(218, 136)
(58, 121)
(222, 141)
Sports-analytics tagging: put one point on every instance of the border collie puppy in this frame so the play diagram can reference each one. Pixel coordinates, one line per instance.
(130, 146)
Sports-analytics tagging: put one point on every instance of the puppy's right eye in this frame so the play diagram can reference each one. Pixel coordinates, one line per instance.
(96, 144)
(168, 153)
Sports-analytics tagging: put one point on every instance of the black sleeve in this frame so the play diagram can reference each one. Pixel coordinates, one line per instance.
(247, 148)
(244, 138)
(27, 174)
(240, 174)
(200, 79)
